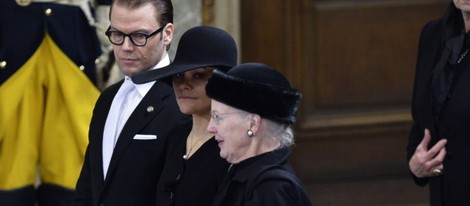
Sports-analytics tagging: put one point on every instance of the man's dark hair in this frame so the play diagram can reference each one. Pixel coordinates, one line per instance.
(164, 8)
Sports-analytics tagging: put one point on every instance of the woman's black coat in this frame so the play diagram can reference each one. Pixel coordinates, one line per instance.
(267, 179)
(451, 121)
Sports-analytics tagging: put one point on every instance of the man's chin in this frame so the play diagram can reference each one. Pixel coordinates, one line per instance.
(129, 71)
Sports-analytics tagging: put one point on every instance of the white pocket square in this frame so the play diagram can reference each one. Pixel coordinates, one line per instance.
(145, 136)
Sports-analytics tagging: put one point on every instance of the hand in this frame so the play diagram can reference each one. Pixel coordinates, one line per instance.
(424, 161)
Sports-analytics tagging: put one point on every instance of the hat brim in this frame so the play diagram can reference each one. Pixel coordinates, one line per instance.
(165, 73)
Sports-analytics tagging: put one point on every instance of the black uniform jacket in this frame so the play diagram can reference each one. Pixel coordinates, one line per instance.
(453, 119)
(263, 180)
(22, 29)
(135, 164)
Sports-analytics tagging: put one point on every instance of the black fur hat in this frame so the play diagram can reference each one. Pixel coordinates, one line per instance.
(258, 89)
(200, 46)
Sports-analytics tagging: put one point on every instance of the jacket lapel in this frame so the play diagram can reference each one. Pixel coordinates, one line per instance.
(97, 128)
(145, 111)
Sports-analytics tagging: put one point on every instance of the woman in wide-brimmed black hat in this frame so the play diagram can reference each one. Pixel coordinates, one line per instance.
(193, 169)
(253, 106)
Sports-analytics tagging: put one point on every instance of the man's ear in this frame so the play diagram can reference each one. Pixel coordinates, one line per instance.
(168, 34)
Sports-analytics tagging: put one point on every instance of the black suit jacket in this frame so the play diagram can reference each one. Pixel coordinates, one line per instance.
(135, 164)
(453, 119)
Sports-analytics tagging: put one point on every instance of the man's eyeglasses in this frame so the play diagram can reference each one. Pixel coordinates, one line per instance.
(137, 38)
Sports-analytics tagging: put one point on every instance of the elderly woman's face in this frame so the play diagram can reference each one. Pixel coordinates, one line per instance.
(229, 127)
(463, 5)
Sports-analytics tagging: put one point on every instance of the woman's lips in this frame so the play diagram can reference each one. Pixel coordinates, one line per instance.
(186, 98)
(219, 141)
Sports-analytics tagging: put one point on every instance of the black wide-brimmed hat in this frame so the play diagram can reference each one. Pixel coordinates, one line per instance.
(256, 88)
(201, 46)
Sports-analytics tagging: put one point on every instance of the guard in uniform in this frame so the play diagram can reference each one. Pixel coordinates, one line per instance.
(48, 56)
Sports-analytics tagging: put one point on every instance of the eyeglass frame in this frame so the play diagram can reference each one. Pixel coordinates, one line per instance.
(217, 116)
(147, 36)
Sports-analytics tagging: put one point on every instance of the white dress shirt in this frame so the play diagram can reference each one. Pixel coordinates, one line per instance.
(124, 103)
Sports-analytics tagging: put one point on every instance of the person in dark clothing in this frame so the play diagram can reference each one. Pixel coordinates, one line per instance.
(437, 151)
(131, 123)
(193, 169)
(253, 106)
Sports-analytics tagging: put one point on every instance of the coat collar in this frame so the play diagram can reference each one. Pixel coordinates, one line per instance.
(252, 167)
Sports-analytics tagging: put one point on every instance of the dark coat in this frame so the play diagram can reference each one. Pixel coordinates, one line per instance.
(452, 121)
(135, 164)
(267, 179)
(194, 181)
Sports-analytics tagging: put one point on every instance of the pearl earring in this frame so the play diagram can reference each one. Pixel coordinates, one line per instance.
(249, 133)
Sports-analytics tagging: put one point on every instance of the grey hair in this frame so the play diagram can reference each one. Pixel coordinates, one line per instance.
(281, 133)
(278, 132)
(286, 136)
